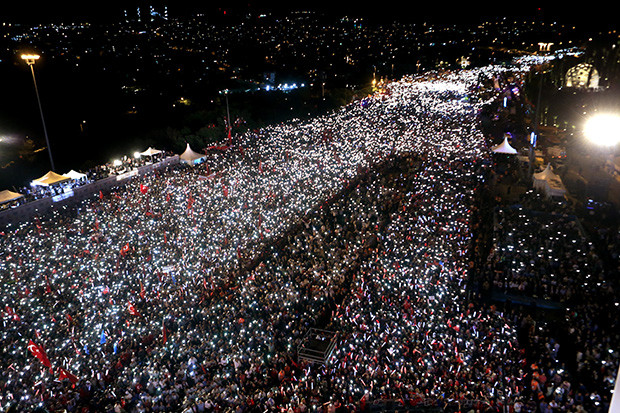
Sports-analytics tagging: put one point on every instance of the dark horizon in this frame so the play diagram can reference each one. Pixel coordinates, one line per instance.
(452, 13)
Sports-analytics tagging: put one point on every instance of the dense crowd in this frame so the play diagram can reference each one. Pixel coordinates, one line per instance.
(541, 252)
(189, 289)
(533, 258)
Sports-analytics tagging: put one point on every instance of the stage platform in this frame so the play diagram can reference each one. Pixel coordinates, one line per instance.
(317, 346)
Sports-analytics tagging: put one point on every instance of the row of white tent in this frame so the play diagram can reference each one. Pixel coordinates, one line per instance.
(52, 178)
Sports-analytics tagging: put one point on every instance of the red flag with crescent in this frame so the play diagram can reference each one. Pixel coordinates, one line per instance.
(64, 374)
(132, 309)
(39, 353)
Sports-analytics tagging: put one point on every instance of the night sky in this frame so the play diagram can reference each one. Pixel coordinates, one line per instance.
(392, 10)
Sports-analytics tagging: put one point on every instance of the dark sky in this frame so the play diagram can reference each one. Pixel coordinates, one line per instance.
(412, 10)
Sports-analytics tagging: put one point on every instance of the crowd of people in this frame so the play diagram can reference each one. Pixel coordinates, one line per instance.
(533, 258)
(541, 253)
(189, 289)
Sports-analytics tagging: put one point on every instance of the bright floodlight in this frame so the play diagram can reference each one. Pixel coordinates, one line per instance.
(30, 58)
(603, 130)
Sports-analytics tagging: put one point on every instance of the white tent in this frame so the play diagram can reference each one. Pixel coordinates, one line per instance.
(549, 182)
(504, 147)
(189, 156)
(50, 178)
(7, 196)
(75, 175)
(150, 152)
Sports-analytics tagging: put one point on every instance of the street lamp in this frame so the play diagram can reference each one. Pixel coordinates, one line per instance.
(603, 129)
(30, 59)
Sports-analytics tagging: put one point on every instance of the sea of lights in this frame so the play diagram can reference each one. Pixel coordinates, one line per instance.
(177, 252)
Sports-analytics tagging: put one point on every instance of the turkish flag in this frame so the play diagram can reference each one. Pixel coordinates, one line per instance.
(164, 331)
(132, 309)
(142, 292)
(39, 353)
(144, 189)
(64, 374)
(125, 249)
(11, 313)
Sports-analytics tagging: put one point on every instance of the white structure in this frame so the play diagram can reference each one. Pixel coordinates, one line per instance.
(8, 196)
(50, 178)
(544, 47)
(549, 182)
(504, 147)
(582, 76)
(615, 398)
(75, 175)
(191, 157)
(150, 152)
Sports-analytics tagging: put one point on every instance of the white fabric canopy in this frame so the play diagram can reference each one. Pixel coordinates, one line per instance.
(50, 178)
(189, 155)
(547, 173)
(504, 147)
(150, 151)
(75, 175)
(549, 182)
(7, 196)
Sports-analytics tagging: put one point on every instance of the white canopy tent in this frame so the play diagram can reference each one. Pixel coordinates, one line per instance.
(189, 156)
(150, 152)
(75, 175)
(549, 182)
(504, 147)
(8, 196)
(50, 178)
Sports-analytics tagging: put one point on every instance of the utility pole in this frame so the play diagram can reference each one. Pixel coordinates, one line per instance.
(536, 120)
(30, 59)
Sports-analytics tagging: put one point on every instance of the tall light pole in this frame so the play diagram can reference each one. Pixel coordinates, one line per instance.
(30, 59)
(228, 119)
(533, 140)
